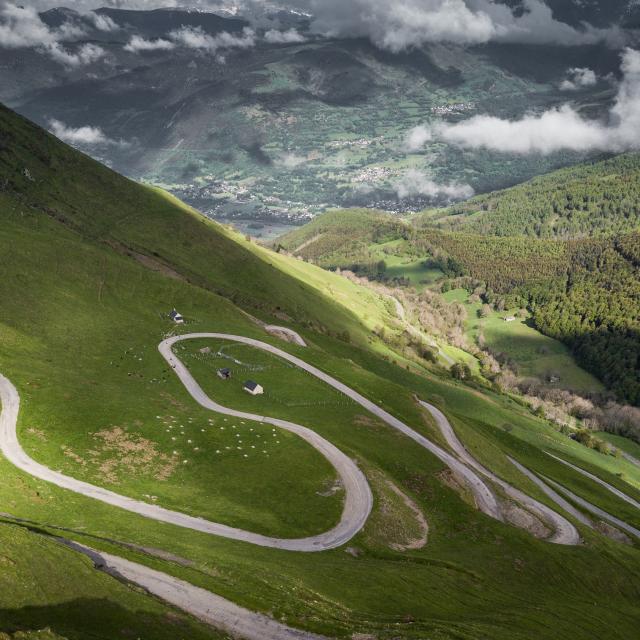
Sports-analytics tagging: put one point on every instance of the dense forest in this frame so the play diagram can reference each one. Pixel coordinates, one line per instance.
(593, 199)
(584, 293)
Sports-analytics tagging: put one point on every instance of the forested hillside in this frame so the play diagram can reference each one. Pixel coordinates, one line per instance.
(584, 292)
(599, 198)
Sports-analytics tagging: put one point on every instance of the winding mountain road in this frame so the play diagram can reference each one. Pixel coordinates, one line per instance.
(595, 510)
(564, 531)
(358, 501)
(484, 497)
(602, 483)
(554, 495)
(358, 498)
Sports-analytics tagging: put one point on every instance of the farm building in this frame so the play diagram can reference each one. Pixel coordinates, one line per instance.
(224, 373)
(253, 388)
(176, 317)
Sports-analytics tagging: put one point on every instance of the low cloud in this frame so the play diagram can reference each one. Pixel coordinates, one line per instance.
(417, 138)
(82, 136)
(561, 128)
(197, 38)
(579, 77)
(138, 43)
(289, 160)
(416, 183)
(21, 27)
(85, 54)
(397, 26)
(101, 21)
(290, 36)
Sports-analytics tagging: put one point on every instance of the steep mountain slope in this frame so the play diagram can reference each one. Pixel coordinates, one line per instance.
(91, 264)
(64, 185)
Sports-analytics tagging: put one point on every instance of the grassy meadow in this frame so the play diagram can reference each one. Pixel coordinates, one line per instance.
(533, 354)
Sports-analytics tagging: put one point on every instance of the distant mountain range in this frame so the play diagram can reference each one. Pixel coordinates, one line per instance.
(286, 129)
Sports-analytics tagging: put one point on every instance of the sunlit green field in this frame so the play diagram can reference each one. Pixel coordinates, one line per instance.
(534, 354)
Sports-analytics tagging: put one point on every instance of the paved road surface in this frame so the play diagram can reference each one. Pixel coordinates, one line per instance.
(568, 507)
(358, 499)
(564, 531)
(203, 604)
(596, 510)
(554, 495)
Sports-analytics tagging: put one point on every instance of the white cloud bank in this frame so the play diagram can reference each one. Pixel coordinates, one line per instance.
(291, 36)
(21, 27)
(415, 183)
(197, 38)
(82, 136)
(397, 25)
(579, 77)
(138, 43)
(410, 23)
(557, 129)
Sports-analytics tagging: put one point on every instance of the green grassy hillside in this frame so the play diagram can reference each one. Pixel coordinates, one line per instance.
(91, 264)
(157, 230)
(530, 353)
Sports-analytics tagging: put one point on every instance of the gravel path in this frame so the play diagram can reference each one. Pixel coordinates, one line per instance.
(602, 483)
(564, 531)
(483, 495)
(204, 605)
(400, 312)
(290, 334)
(629, 458)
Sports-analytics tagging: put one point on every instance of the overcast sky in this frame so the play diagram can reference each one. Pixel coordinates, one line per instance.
(394, 25)
(399, 24)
